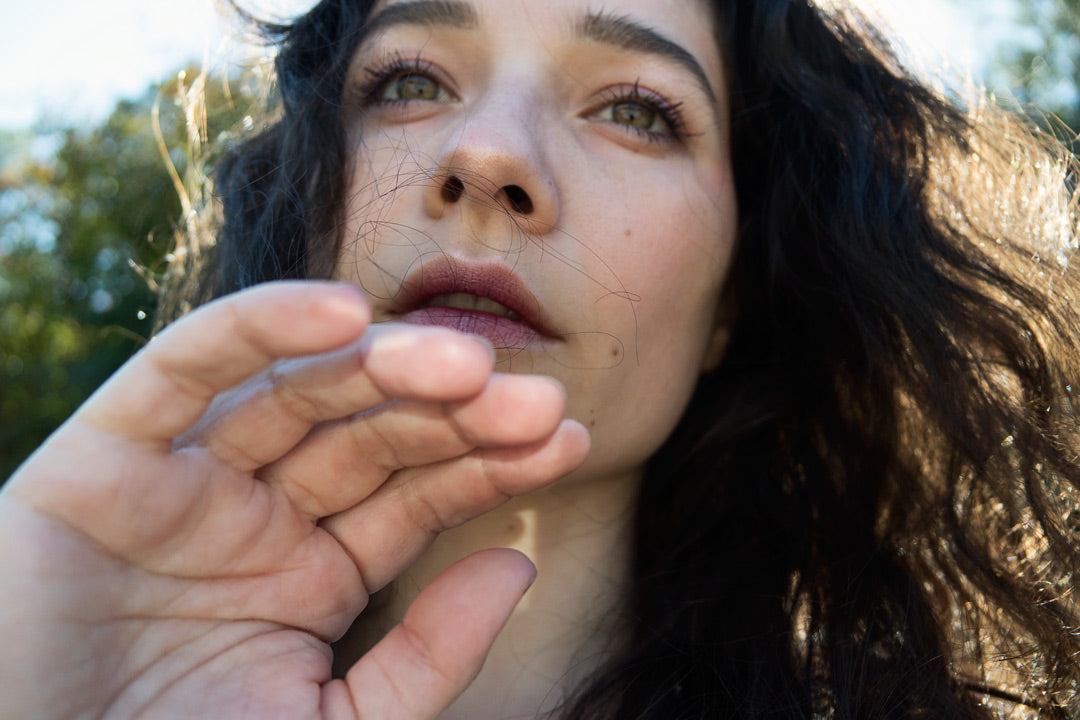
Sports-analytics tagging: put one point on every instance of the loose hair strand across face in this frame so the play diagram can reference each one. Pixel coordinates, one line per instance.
(869, 508)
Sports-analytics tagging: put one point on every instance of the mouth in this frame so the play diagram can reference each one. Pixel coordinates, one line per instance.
(472, 303)
(486, 299)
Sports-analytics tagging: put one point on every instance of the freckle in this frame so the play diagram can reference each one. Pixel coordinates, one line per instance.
(615, 351)
(627, 232)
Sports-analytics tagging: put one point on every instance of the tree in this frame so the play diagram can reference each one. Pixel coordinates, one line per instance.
(83, 237)
(1040, 63)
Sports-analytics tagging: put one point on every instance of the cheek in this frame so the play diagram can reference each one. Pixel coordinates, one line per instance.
(378, 176)
(379, 213)
(681, 272)
(678, 244)
(673, 252)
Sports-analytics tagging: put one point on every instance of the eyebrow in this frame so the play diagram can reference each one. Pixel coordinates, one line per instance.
(618, 31)
(624, 33)
(425, 13)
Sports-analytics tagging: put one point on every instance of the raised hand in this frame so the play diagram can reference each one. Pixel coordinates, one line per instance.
(191, 541)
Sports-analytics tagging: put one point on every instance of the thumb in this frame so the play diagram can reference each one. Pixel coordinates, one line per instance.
(423, 664)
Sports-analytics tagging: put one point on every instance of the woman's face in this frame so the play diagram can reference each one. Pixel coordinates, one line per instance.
(556, 178)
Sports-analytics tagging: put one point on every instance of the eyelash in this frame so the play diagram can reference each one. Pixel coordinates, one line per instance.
(668, 112)
(395, 67)
(377, 77)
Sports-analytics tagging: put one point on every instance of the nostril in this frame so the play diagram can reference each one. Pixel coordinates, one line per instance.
(453, 189)
(519, 200)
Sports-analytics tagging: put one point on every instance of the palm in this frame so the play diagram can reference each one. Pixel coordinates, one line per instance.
(190, 543)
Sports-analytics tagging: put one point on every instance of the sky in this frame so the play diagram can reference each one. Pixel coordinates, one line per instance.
(69, 61)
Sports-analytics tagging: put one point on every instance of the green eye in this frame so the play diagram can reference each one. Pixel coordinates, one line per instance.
(640, 112)
(634, 115)
(411, 87)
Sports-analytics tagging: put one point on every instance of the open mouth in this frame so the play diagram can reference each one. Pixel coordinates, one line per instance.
(474, 303)
(481, 299)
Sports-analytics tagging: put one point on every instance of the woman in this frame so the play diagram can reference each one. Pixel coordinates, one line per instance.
(811, 452)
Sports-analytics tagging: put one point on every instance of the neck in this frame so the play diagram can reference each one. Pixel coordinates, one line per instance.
(578, 535)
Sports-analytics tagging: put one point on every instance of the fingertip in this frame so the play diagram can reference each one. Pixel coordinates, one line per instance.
(512, 410)
(496, 571)
(429, 362)
(578, 432)
(480, 590)
(557, 385)
(577, 442)
(440, 646)
(484, 343)
(536, 390)
(474, 358)
(549, 399)
(517, 562)
(348, 302)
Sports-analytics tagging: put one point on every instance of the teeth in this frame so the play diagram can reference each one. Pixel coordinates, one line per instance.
(465, 301)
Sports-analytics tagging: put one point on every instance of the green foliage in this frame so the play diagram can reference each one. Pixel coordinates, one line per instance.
(83, 235)
(1040, 62)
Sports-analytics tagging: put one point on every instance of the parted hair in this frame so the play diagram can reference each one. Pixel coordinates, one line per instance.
(870, 508)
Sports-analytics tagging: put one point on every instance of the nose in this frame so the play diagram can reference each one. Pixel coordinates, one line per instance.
(495, 164)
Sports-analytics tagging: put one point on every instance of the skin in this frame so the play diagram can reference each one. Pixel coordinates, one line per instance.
(165, 556)
(192, 540)
(629, 237)
(517, 99)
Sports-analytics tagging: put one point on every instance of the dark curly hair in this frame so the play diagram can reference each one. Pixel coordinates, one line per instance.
(869, 509)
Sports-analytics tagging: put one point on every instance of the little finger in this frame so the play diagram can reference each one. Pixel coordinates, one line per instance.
(398, 522)
(340, 464)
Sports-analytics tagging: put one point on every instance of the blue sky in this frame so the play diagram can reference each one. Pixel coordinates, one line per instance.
(70, 60)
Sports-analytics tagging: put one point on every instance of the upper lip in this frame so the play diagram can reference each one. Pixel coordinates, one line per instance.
(447, 275)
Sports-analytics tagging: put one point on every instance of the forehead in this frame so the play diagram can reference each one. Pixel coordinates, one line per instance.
(682, 25)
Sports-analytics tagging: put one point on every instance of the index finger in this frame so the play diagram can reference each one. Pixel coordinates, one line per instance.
(166, 387)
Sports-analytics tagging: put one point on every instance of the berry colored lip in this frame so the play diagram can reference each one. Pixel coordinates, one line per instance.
(426, 286)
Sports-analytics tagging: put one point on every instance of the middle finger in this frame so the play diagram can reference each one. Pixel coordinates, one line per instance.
(340, 464)
(263, 419)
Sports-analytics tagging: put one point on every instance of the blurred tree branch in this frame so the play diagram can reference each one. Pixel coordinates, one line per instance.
(85, 232)
(1040, 63)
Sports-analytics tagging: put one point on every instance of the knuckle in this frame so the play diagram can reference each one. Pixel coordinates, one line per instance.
(292, 399)
(420, 510)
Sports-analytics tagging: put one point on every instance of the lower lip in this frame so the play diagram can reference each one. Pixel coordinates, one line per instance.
(502, 333)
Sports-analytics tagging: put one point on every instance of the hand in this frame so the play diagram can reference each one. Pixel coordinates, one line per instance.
(193, 538)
